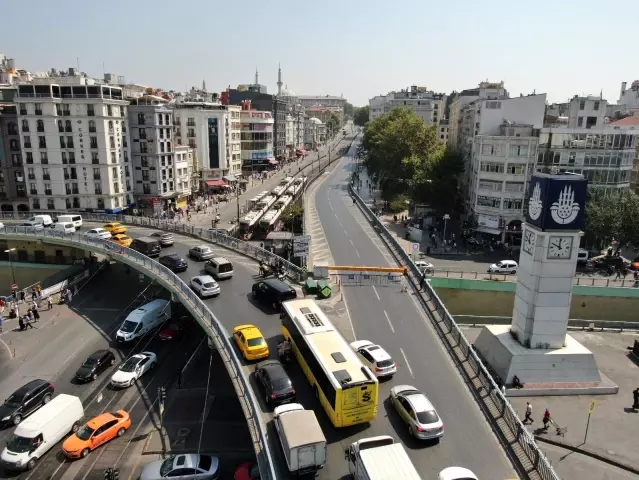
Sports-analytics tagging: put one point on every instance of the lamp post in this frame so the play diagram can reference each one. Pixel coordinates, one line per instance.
(446, 218)
(13, 275)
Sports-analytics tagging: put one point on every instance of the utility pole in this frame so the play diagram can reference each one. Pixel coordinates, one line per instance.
(237, 198)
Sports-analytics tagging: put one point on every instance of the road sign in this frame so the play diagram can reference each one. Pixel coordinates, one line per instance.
(415, 247)
(301, 245)
(14, 286)
(593, 406)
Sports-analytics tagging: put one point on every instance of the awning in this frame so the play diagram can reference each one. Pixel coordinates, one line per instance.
(272, 161)
(230, 178)
(215, 183)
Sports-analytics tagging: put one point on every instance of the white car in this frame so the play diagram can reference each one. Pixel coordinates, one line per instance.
(133, 368)
(505, 266)
(417, 412)
(100, 233)
(425, 267)
(456, 473)
(205, 286)
(190, 465)
(375, 358)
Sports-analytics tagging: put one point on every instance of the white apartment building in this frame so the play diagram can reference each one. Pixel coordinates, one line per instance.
(444, 130)
(154, 157)
(257, 136)
(213, 131)
(427, 104)
(629, 98)
(75, 144)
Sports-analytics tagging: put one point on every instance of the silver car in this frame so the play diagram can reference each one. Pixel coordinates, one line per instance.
(201, 252)
(205, 286)
(417, 412)
(165, 239)
(190, 465)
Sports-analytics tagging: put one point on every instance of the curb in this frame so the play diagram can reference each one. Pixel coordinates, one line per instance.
(589, 453)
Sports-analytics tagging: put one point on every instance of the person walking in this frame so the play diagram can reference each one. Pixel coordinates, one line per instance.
(2, 305)
(34, 295)
(635, 399)
(422, 282)
(49, 302)
(546, 419)
(527, 417)
(36, 311)
(39, 290)
(22, 295)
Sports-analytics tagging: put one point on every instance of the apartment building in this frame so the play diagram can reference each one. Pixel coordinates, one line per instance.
(257, 136)
(73, 132)
(154, 158)
(322, 101)
(425, 103)
(13, 190)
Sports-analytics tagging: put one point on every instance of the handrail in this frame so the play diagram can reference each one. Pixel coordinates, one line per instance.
(207, 320)
(521, 436)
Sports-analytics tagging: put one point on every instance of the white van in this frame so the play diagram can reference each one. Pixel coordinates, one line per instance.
(64, 227)
(219, 267)
(144, 319)
(43, 219)
(76, 220)
(36, 435)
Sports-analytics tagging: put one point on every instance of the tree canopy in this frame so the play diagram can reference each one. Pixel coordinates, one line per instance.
(405, 155)
(612, 215)
(361, 115)
(333, 123)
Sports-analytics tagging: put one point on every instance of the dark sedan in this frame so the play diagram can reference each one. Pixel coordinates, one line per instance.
(96, 364)
(174, 262)
(277, 385)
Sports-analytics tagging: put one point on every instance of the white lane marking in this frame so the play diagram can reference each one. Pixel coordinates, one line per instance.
(376, 294)
(345, 233)
(348, 314)
(389, 322)
(351, 242)
(410, 370)
(8, 348)
(358, 255)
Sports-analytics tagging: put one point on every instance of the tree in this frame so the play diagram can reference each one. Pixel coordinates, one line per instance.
(348, 110)
(292, 216)
(333, 123)
(611, 215)
(361, 115)
(435, 183)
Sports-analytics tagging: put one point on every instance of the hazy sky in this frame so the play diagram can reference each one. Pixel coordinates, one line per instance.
(350, 47)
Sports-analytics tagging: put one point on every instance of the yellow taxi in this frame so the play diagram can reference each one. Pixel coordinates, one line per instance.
(122, 240)
(114, 227)
(251, 342)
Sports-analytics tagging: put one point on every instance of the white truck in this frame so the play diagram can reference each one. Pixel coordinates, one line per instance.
(302, 439)
(379, 458)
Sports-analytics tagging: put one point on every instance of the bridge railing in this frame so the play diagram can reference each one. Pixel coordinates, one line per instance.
(198, 309)
(496, 406)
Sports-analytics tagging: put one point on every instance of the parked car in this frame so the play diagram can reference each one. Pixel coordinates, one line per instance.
(275, 382)
(272, 291)
(201, 252)
(189, 465)
(205, 286)
(24, 401)
(100, 233)
(375, 358)
(97, 431)
(115, 227)
(97, 363)
(417, 412)
(251, 342)
(505, 267)
(166, 239)
(133, 368)
(173, 331)
(174, 262)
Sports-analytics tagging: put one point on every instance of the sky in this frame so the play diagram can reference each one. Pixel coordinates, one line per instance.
(354, 48)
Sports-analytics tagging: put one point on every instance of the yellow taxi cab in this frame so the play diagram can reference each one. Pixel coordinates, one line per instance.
(251, 342)
(114, 227)
(122, 240)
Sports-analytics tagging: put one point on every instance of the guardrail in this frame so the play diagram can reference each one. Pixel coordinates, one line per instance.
(198, 309)
(494, 404)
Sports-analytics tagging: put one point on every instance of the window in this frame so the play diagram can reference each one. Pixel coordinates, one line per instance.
(168, 146)
(492, 202)
(116, 187)
(110, 126)
(95, 158)
(72, 157)
(144, 161)
(109, 111)
(65, 159)
(94, 142)
(38, 109)
(67, 126)
(47, 189)
(23, 109)
(27, 143)
(146, 189)
(36, 203)
(30, 174)
(66, 173)
(515, 169)
(582, 104)
(50, 203)
(112, 142)
(65, 111)
(44, 158)
(596, 107)
(40, 126)
(74, 188)
(42, 142)
(113, 159)
(25, 127)
(160, 122)
(513, 203)
(145, 175)
(90, 111)
(62, 143)
(190, 122)
(167, 119)
(142, 133)
(45, 174)
(492, 167)
(98, 188)
(141, 120)
(92, 126)
(69, 141)
(493, 105)
(122, 111)
(33, 189)
(161, 147)
(96, 174)
(114, 171)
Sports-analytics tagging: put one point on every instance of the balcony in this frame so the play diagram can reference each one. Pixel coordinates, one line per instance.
(40, 129)
(92, 130)
(98, 191)
(68, 128)
(190, 123)
(38, 112)
(41, 144)
(31, 176)
(94, 144)
(74, 191)
(23, 111)
(91, 113)
(97, 177)
(25, 129)
(74, 176)
(33, 192)
(21, 194)
(66, 113)
(95, 161)
(48, 192)
(46, 176)
(70, 144)
(16, 149)
(190, 135)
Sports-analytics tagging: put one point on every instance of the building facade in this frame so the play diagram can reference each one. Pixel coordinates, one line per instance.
(153, 152)
(427, 104)
(322, 101)
(73, 132)
(324, 114)
(257, 136)
(13, 187)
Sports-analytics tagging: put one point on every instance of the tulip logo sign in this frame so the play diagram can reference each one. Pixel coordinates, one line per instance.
(565, 210)
(534, 204)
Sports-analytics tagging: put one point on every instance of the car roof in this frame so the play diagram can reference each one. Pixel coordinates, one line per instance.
(26, 388)
(219, 260)
(276, 284)
(377, 352)
(97, 422)
(419, 401)
(97, 355)
(172, 255)
(205, 278)
(251, 331)
(274, 368)
(203, 247)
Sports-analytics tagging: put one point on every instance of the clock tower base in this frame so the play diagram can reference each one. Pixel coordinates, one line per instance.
(569, 370)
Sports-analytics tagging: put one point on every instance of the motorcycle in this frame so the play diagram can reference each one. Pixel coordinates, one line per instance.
(284, 352)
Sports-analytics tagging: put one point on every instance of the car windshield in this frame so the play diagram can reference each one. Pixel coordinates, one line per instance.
(205, 462)
(15, 399)
(427, 417)
(256, 342)
(90, 362)
(385, 363)
(167, 466)
(19, 444)
(85, 432)
(129, 365)
(209, 285)
(128, 326)
(500, 265)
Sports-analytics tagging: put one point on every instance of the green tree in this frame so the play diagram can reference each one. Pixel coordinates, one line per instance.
(349, 110)
(292, 216)
(361, 115)
(612, 215)
(333, 124)
(435, 182)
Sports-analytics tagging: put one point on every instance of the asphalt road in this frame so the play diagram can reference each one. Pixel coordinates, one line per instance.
(392, 319)
(55, 349)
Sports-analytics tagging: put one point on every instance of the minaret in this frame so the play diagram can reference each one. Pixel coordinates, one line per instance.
(204, 85)
(256, 77)
(279, 80)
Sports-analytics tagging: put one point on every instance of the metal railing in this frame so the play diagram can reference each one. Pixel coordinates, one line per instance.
(494, 404)
(207, 320)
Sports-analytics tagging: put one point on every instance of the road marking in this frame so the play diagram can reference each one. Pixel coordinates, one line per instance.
(345, 233)
(351, 242)
(8, 348)
(389, 322)
(376, 294)
(410, 370)
(358, 255)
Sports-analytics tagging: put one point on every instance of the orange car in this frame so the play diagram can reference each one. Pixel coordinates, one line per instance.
(96, 432)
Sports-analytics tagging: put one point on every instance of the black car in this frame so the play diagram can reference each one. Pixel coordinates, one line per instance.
(96, 364)
(147, 246)
(272, 291)
(174, 262)
(25, 401)
(277, 385)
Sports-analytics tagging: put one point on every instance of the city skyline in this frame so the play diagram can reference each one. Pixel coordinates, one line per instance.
(357, 53)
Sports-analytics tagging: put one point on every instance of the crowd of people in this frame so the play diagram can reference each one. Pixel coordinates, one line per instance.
(17, 301)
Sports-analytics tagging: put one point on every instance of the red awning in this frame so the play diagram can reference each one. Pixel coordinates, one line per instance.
(215, 183)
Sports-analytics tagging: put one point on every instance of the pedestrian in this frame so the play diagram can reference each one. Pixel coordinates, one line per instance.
(30, 315)
(22, 295)
(422, 282)
(27, 322)
(635, 399)
(1, 322)
(69, 295)
(528, 417)
(15, 296)
(36, 311)
(39, 289)
(21, 323)
(2, 305)
(546, 419)
(34, 295)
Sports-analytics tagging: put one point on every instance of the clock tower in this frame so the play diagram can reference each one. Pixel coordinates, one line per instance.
(535, 347)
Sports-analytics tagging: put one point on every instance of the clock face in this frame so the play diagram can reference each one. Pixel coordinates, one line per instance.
(529, 242)
(560, 247)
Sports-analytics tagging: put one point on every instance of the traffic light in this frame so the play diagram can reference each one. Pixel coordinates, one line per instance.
(162, 393)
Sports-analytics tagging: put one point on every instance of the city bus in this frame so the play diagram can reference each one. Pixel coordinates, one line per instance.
(345, 387)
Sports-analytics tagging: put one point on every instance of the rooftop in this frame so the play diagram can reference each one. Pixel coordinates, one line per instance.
(628, 121)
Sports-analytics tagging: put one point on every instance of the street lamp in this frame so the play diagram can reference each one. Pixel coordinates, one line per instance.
(8, 252)
(446, 218)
